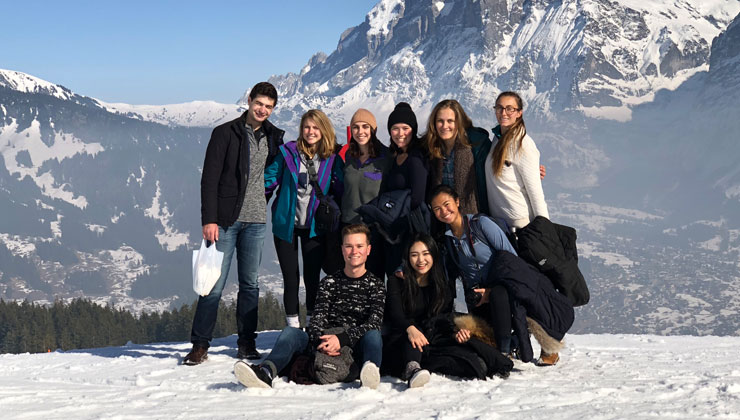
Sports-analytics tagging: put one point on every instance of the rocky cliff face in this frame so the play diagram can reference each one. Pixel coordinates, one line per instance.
(596, 58)
(724, 63)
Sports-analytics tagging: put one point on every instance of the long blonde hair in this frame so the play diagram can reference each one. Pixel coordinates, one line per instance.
(434, 143)
(511, 140)
(328, 143)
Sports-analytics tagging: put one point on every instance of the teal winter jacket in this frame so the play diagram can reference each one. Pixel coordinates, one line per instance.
(282, 175)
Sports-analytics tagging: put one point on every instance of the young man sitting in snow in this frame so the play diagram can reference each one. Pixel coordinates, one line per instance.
(351, 301)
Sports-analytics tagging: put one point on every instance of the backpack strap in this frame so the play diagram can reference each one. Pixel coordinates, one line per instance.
(477, 230)
(313, 178)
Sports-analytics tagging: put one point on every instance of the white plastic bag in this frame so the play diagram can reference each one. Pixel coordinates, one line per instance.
(206, 268)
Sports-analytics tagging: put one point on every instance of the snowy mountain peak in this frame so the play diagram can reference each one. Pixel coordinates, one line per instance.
(597, 58)
(383, 17)
(26, 83)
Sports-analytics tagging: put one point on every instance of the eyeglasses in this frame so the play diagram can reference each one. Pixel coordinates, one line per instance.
(509, 109)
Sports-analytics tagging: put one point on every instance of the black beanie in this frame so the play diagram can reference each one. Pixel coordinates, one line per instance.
(402, 113)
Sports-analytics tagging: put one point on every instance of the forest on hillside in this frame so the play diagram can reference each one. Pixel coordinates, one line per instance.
(31, 328)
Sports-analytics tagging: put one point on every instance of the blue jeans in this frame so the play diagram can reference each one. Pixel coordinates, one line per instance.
(370, 347)
(294, 340)
(291, 341)
(247, 239)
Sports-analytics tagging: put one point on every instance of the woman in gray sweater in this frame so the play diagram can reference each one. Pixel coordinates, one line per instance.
(366, 161)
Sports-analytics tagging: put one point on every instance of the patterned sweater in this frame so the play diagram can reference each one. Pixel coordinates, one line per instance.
(355, 304)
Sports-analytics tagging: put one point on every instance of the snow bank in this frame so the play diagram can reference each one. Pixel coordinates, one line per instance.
(599, 377)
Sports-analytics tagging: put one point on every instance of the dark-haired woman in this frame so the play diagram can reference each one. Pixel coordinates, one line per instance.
(413, 304)
(481, 254)
(470, 257)
(407, 171)
(366, 162)
(513, 179)
(420, 331)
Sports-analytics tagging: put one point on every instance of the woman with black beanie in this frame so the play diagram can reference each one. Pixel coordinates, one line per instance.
(408, 170)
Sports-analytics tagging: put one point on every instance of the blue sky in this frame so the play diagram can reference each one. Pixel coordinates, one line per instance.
(160, 52)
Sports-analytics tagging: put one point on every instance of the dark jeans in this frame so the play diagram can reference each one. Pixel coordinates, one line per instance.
(247, 239)
(312, 250)
(294, 340)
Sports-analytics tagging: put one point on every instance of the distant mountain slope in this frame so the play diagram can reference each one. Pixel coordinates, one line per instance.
(190, 114)
(94, 199)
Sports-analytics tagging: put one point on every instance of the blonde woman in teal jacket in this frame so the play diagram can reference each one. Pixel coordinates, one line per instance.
(295, 205)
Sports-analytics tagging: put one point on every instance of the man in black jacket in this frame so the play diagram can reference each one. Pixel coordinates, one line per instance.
(234, 213)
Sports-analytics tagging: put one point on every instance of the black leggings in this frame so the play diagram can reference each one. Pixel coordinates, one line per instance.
(312, 250)
(397, 352)
(498, 313)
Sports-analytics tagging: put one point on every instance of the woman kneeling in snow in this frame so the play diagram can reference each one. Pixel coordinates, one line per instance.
(516, 293)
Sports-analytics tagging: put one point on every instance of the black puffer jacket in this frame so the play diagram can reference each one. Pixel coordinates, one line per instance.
(226, 168)
(532, 295)
(552, 249)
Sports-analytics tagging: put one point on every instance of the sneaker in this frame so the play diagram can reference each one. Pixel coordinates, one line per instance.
(252, 376)
(546, 359)
(248, 351)
(370, 375)
(419, 378)
(198, 354)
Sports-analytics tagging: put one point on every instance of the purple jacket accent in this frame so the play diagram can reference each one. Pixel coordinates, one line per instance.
(282, 175)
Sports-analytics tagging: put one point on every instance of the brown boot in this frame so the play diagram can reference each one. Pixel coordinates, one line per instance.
(546, 359)
(197, 355)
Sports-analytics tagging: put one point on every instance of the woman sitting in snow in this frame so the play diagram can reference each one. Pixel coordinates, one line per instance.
(421, 335)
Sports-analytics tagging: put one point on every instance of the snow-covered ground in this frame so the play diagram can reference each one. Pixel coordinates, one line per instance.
(599, 377)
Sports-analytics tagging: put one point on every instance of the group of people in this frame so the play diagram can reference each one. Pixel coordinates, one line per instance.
(386, 304)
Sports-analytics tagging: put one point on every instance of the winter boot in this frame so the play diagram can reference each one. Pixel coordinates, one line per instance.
(198, 354)
(547, 359)
(248, 350)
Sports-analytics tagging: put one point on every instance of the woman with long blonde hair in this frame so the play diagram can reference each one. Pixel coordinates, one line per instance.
(513, 181)
(313, 154)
